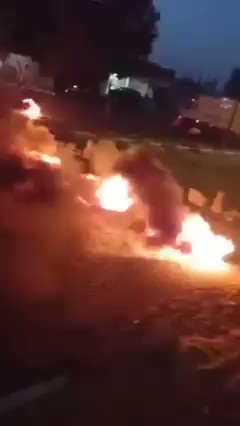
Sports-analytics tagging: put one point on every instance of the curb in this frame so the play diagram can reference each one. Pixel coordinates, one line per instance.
(128, 141)
(201, 150)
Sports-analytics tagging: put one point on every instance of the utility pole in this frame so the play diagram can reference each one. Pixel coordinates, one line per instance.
(231, 121)
(233, 115)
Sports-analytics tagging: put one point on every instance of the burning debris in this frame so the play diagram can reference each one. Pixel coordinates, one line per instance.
(49, 159)
(205, 250)
(183, 238)
(170, 234)
(31, 109)
(28, 163)
(133, 179)
(195, 246)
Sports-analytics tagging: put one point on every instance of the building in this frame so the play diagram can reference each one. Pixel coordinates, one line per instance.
(22, 70)
(145, 77)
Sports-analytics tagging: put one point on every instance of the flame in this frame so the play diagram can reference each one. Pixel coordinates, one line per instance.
(207, 249)
(114, 194)
(49, 159)
(91, 177)
(33, 112)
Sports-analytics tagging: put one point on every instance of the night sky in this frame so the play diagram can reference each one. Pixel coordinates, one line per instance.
(199, 38)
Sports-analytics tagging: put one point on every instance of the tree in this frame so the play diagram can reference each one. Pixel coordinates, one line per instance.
(81, 38)
(210, 87)
(99, 37)
(232, 87)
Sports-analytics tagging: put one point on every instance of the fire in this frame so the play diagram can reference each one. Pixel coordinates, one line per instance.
(207, 249)
(49, 159)
(114, 194)
(33, 111)
(91, 177)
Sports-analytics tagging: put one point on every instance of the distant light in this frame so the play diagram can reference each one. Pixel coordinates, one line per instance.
(75, 86)
(179, 117)
(66, 90)
(193, 99)
(197, 121)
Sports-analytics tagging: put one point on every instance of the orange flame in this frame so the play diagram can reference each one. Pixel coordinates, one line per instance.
(33, 111)
(207, 249)
(114, 194)
(49, 159)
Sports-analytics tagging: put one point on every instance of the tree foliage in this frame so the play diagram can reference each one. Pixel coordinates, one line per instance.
(100, 36)
(85, 38)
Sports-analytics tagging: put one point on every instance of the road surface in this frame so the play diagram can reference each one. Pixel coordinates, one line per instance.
(138, 339)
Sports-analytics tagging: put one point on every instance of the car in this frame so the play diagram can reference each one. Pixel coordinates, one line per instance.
(187, 126)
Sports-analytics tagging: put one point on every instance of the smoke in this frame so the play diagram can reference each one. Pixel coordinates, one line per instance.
(102, 156)
(157, 189)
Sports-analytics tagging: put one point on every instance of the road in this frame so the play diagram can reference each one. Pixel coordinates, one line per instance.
(139, 339)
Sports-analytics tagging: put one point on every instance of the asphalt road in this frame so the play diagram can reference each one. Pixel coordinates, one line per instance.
(138, 340)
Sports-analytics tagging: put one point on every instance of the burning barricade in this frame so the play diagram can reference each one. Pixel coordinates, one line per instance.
(28, 164)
